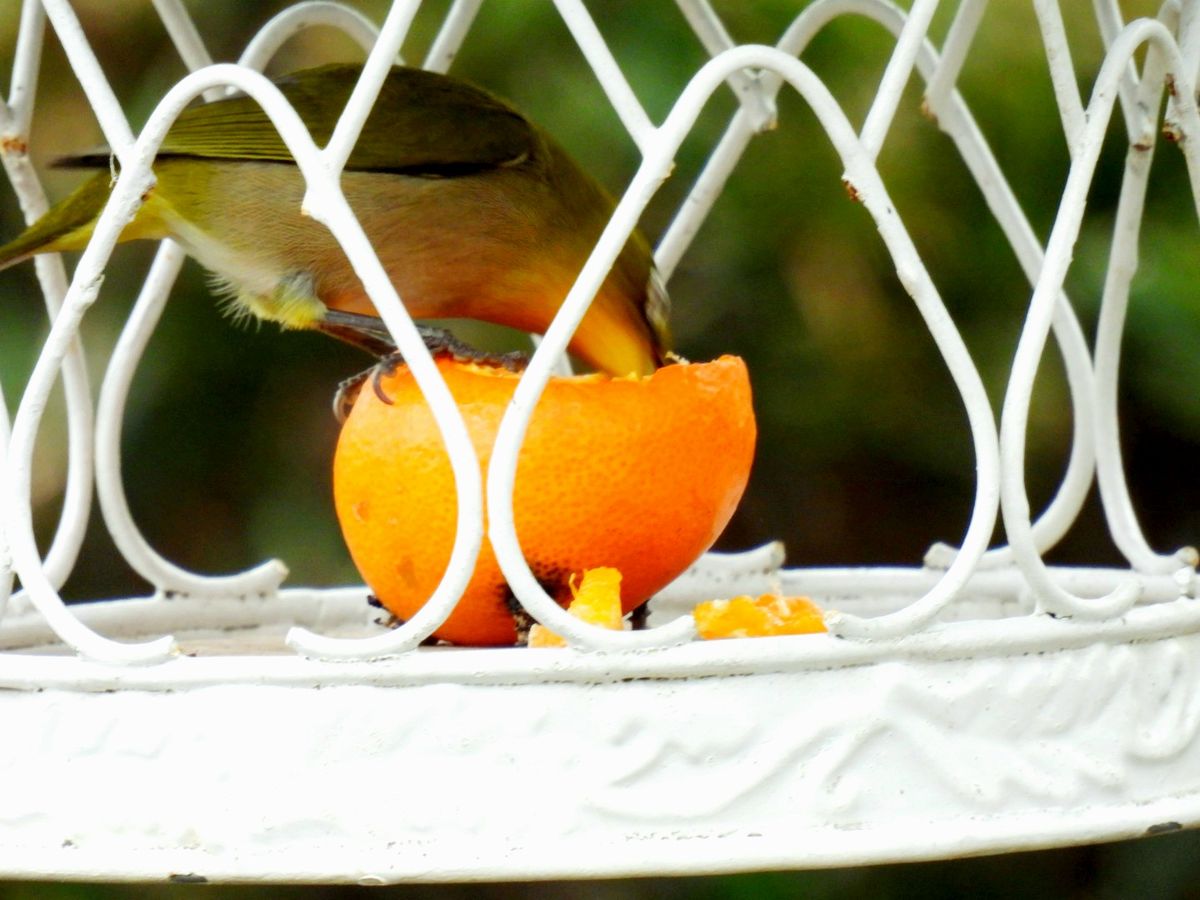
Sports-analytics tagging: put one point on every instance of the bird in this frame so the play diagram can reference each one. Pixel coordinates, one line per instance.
(474, 211)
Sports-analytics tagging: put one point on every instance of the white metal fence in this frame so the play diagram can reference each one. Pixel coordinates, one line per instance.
(1171, 46)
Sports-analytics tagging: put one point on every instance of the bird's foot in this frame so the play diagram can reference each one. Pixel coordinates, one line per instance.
(364, 332)
(440, 343)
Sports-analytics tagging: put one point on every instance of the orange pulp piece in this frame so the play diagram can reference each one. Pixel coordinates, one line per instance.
(597, 601)
(763, 616)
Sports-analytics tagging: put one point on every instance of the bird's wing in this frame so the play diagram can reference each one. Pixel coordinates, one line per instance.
(422, 124)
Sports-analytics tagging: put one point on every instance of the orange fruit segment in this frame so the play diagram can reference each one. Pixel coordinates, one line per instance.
(596, 600)
(639, 473)
(764, 616)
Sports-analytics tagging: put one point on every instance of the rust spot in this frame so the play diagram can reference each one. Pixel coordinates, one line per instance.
(1143, 146)
(1170, 82)
(14, 144)
(851, 191)
(1172, 133)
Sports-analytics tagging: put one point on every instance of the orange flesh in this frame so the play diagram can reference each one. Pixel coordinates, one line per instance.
(764, 616)
(597, 601)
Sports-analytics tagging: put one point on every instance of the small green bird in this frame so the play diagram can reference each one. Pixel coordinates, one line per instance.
(474, 211)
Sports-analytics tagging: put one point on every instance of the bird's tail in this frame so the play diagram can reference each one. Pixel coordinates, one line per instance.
(67, 226)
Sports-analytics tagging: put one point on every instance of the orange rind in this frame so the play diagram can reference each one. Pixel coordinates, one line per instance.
(640, 474)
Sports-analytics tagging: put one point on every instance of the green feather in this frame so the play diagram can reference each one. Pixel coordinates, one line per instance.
(423, 124)
(66, 227)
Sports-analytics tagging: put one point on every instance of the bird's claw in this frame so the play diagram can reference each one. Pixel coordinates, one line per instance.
(440, 343)
(385, 367)
(346, 393)
(348, 390)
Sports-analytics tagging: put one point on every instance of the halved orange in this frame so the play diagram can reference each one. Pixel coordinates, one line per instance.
(641, 474)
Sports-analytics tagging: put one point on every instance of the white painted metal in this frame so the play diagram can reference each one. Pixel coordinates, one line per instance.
(300, 17)
(281, 734)
(15, 118)
(246, 762)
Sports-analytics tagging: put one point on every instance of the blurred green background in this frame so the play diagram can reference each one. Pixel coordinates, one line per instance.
(864, 454)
